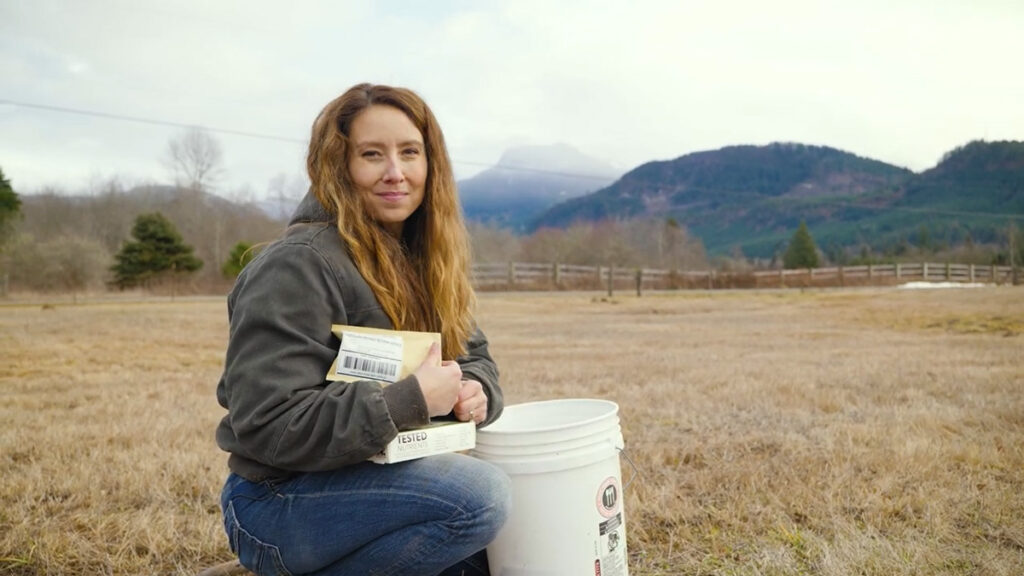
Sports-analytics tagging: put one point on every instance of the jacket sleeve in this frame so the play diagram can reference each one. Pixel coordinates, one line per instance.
(281, 409)
(478, 365)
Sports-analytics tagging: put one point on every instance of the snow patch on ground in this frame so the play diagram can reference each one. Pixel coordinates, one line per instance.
(931, 285)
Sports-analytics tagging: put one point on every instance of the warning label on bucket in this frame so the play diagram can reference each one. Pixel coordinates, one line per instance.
(612, 547)
(611, 525)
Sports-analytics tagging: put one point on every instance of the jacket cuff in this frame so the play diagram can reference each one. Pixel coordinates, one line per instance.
(406, 404)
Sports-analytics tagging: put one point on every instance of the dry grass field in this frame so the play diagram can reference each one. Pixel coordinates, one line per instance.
(868, 432)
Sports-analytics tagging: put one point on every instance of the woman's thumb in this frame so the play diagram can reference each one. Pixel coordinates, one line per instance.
(433, 355)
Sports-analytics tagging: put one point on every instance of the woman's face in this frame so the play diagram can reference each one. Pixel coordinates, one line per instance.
(387, 164)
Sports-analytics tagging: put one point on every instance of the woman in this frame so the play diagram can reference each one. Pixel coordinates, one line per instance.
(379, 241)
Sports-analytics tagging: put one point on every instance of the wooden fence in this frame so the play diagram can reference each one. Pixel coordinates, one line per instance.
(550, 276)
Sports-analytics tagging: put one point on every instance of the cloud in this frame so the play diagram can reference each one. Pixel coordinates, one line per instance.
(629, 82)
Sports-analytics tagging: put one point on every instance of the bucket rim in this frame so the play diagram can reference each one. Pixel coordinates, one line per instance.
(612, 412)
(543, 463)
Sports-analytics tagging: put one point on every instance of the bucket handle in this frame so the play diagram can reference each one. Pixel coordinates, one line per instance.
(636, 471)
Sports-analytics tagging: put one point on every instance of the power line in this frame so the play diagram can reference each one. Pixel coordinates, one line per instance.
(272, 137)
(150, 121)
(158, 122)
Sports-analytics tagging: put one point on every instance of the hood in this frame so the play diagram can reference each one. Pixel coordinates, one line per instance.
(310, 210)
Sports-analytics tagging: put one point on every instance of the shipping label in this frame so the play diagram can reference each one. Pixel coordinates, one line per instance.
(371, 356)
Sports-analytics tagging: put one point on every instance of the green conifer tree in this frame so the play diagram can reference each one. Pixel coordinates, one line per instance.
(241, 255)
(801, 253)
(10, 207)
(158, 249)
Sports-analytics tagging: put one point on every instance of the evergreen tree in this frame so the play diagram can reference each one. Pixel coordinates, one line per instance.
(924, 238)
(801, 253)
(241, 255)
(157, 249)
(10, 207)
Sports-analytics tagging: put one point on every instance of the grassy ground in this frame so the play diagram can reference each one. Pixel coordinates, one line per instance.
(869, 432)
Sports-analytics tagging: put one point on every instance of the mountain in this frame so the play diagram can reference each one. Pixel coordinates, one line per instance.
(528, 180)
(980, 176)
(754, 197)
(969, 193)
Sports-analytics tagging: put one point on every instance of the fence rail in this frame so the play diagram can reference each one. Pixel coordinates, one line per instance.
(547, 276)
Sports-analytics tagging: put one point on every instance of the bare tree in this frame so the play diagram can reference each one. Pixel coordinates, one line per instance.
(74, 263)
(679, 249)
(62, 263)
(635, 242)
(107, 216)
(610, 243)
(196, 159)
(546, 245)
(492, 244)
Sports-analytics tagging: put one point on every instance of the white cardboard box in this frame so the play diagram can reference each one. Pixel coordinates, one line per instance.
(436, 438)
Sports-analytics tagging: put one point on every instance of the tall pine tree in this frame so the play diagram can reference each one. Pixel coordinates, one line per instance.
(801, 253)
(157, 250)
(10, 207)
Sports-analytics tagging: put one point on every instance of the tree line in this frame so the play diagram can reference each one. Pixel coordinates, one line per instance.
(635, 242)
(116, 239)
(173, 239)
(156, 239)
(54, 241)
(184, 238)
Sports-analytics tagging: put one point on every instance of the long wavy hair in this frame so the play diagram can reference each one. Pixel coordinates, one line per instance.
(422, 279)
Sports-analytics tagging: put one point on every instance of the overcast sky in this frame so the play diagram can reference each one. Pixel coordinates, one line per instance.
(901, 81)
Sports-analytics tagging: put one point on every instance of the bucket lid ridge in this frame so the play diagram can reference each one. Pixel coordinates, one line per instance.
(553, 416)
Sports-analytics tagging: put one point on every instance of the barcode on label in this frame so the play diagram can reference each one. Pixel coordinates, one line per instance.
(376, 369)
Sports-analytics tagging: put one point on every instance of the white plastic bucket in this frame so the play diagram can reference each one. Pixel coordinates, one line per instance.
(567, 516)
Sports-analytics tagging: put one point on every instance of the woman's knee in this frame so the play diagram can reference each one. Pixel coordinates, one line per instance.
(488, 492)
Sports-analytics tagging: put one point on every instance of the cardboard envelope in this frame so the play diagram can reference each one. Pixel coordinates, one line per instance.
(385, 356)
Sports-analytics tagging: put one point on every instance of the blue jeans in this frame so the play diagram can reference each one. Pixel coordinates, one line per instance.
(429, 516)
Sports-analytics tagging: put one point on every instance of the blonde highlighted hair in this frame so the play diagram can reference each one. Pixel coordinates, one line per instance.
(422, 280)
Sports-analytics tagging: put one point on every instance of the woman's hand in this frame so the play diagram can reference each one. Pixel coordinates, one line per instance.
(472, 402)
(440, 384)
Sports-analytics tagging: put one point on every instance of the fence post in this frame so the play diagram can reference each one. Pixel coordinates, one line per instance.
(511, 274)
(949, 271)
(972, 273)
(782, 277)
(555, 276)
(871, 271)
(639, 281)
(899, 271)
(1014, 273)
(924, 272)
(611, 279)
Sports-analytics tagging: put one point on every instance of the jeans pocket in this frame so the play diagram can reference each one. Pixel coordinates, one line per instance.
(259, 557)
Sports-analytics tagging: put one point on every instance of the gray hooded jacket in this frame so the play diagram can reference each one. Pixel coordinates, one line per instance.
(284, 416)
